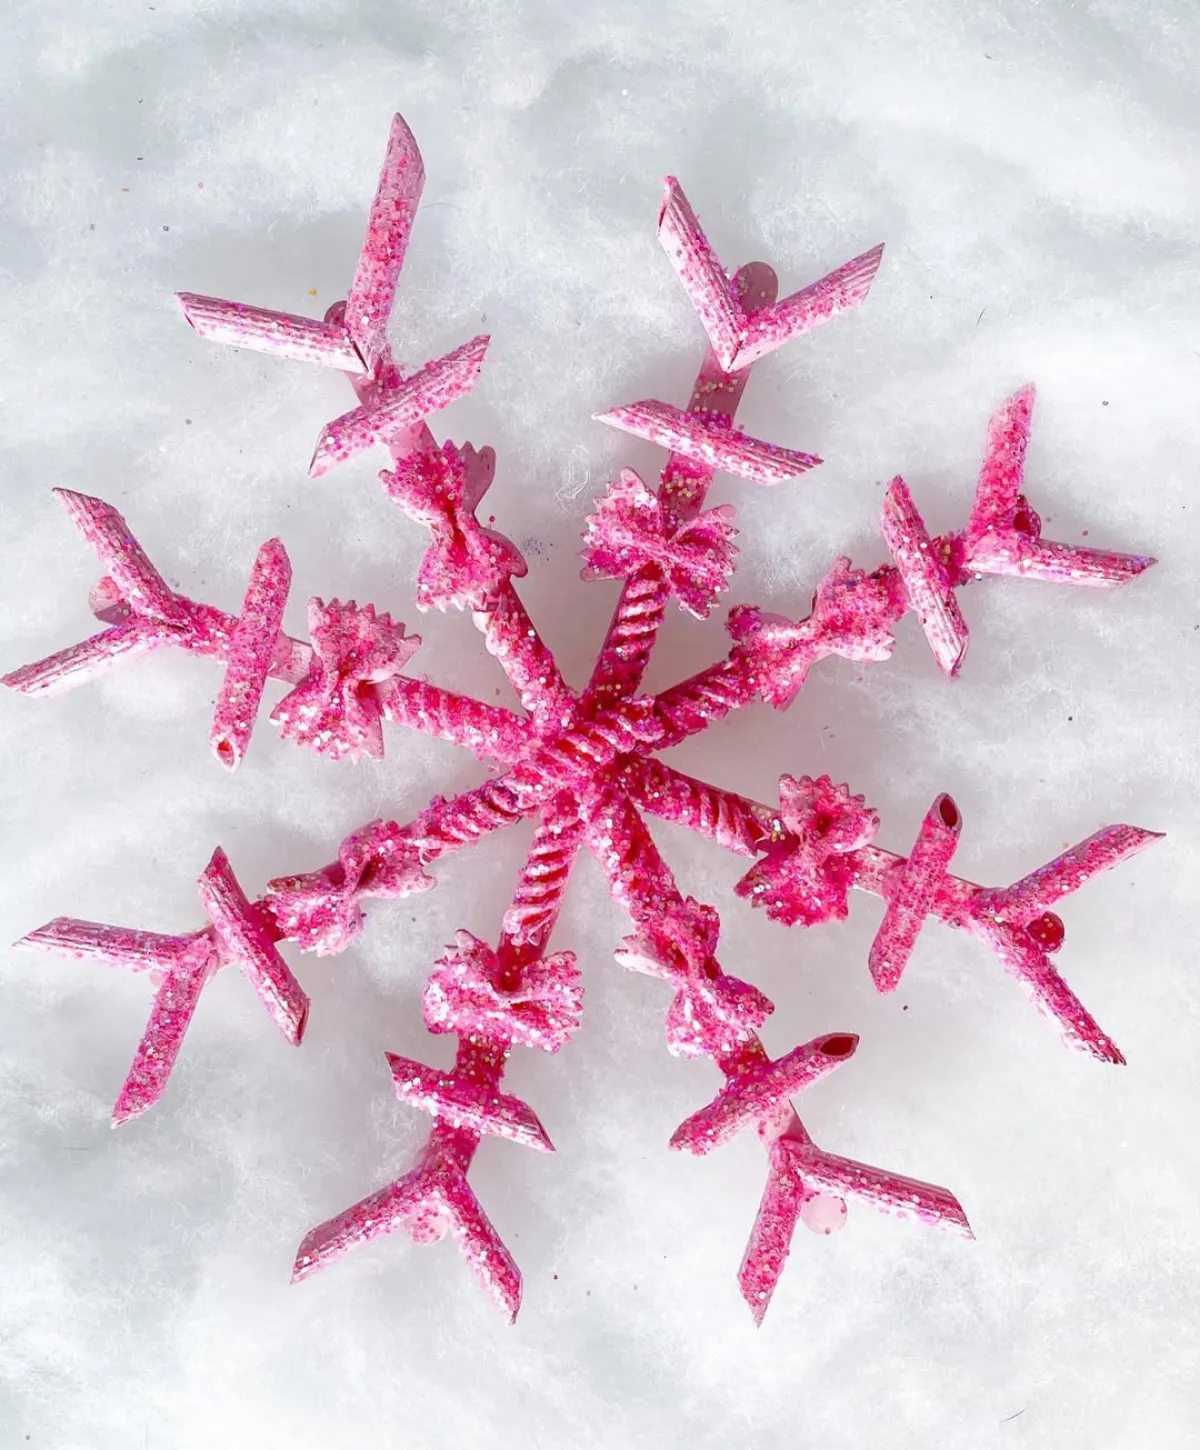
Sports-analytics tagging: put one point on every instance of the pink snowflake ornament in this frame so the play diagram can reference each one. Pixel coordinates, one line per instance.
(337, 708)
(585, 762)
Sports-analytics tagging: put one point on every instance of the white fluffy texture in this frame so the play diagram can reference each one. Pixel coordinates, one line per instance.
(1033, 170)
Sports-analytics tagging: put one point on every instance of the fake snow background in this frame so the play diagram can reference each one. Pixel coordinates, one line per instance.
(1034, 175)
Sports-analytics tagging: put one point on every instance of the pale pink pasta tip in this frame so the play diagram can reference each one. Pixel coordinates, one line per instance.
(281, 334)
(921, 561)
(250, 652)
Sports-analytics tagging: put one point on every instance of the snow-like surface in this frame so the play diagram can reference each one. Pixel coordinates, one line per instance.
(1033, 169)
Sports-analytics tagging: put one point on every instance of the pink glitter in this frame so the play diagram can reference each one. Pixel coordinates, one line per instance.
(282, 334)
(739, 337)
(467, 565)
(246, 938)
(760, 1092)
(926, 578)
(911, 892)
(631, 530)
(337, 708)
(250, 653)
(373, 290)
(584, 761)
(710, 441)
(396, 408)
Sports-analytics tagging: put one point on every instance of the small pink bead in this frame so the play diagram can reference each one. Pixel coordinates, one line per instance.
(823, 1213)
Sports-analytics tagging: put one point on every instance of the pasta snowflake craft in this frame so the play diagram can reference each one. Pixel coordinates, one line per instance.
(585, 761)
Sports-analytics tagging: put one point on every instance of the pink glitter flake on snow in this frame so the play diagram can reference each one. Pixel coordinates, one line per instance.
(584, 761)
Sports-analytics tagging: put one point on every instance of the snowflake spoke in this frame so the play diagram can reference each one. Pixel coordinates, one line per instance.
(493, 1001)
(682, 487)
(586, 763)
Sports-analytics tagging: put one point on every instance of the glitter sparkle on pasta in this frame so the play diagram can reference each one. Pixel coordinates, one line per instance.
(584, 760)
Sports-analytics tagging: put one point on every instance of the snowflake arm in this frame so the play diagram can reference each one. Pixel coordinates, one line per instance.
(147, 617)
(855, 613)
(682, 488)
(757, 1090)
(493, 1000)
(1013, 921)
(738, 335)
